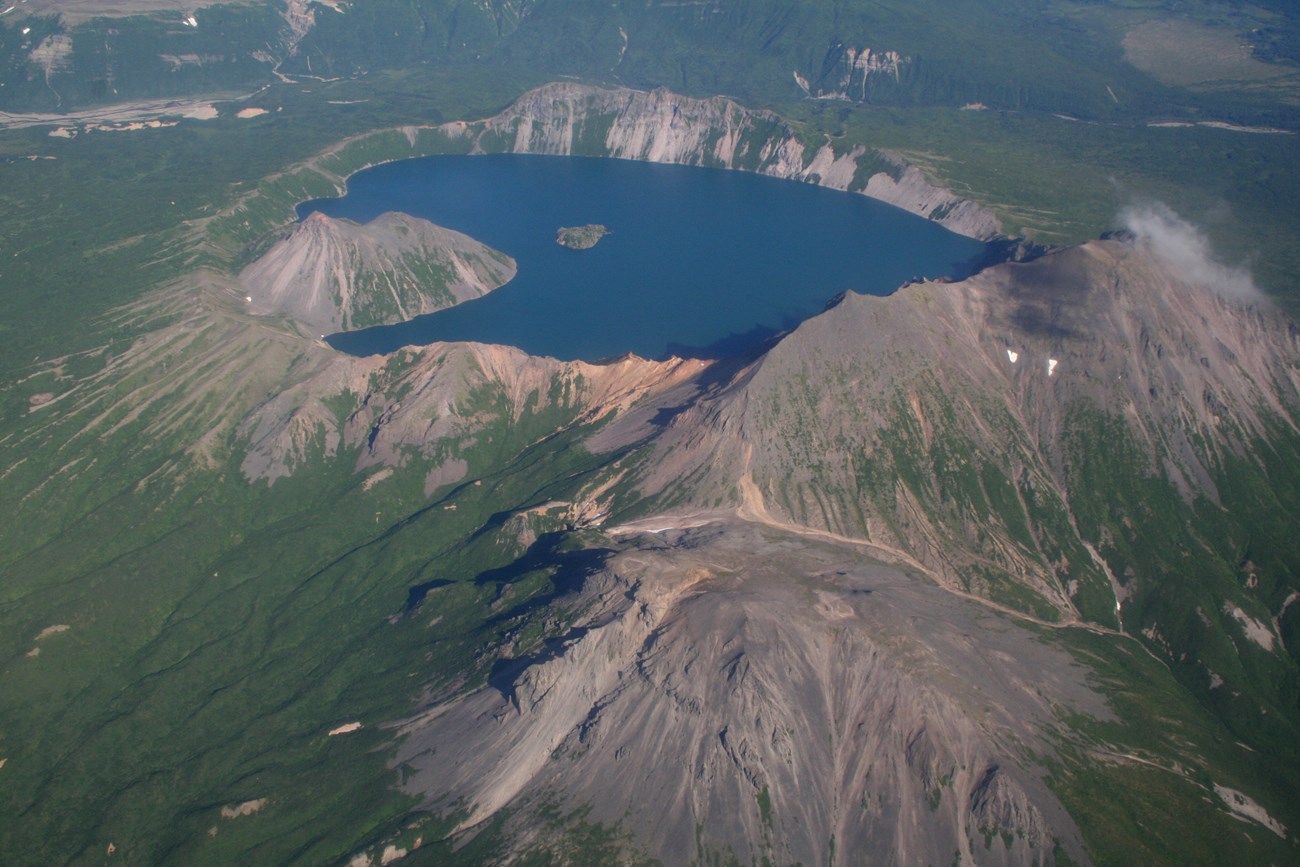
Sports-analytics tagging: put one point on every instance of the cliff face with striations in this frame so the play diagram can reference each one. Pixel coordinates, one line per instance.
(334, 275)
(847, 73)
(662, 126)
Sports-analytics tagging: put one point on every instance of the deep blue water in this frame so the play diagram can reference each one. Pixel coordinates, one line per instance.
(701, 262)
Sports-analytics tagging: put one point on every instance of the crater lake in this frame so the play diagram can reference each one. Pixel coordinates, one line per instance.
(698, 262)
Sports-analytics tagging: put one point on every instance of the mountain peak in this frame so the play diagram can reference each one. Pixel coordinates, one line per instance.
(956, 422)
(332, 274)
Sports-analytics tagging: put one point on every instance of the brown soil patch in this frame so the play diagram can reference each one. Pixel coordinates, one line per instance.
(247, 808)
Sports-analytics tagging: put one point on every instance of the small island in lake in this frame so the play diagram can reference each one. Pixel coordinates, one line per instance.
(580, 237)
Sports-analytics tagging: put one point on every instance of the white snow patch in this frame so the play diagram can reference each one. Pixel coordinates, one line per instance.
(1051, 366)
(1244, 807)
(1013, 355)
(1255, 631)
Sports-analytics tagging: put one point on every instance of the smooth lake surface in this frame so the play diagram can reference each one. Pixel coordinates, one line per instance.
(702, 263)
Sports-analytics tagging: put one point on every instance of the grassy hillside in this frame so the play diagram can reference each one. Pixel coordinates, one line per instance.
(218, 629)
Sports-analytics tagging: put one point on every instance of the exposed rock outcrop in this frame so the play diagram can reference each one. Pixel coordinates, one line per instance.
(420, 398)
(847, 72)
(736, 688)
(797, 704)
(908, 189)
(335, 275)
(666, 127)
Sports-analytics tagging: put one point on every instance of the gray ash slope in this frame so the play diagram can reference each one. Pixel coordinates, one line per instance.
(734, 688)
(1082, 445)
(332, 274)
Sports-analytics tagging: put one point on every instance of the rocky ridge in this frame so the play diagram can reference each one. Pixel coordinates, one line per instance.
(795, 703)
(421, 399)
(952, 439)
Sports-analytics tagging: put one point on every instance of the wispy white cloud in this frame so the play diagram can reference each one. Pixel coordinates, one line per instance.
(1186, 251)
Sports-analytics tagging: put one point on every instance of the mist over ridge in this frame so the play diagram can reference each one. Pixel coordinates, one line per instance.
(1187, 251)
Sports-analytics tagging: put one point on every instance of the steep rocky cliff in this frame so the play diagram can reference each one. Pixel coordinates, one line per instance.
(846, 72)
(662, 126)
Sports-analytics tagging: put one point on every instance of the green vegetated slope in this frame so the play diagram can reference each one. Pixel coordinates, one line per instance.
(219, 627)
(58, 67)
(1060, 56)
(294, 599)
